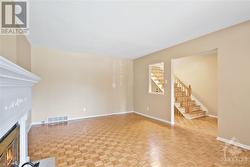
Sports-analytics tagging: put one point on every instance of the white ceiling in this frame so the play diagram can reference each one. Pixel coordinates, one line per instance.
(125, 28)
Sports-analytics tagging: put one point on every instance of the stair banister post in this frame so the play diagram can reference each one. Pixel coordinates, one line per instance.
(189, 90)
(187, 106)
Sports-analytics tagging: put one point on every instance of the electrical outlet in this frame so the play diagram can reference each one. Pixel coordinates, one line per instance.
(148, 108)
(84, 109)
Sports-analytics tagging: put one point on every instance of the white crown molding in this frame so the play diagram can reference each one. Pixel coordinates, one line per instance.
(13, 75)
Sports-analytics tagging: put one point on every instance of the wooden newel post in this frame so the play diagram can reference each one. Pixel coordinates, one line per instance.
(189, 90)
(187, 106)
(189, 95)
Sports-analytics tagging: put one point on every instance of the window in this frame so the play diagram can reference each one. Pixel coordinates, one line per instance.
(156, 78)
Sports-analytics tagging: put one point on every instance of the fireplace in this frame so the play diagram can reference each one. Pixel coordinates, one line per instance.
(9, 147)
(15, 111)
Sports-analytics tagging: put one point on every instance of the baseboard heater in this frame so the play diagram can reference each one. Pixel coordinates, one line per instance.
(56, 120)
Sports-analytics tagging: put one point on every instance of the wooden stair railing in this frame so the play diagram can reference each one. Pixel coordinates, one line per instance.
(157, 73)
(187, 94)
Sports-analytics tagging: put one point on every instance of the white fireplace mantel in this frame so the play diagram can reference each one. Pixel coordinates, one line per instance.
(15, 100)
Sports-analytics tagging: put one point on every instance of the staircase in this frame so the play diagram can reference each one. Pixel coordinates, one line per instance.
(184, 103)
(158, 78)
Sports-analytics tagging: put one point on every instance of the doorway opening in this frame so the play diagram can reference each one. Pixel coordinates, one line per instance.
(194, 92)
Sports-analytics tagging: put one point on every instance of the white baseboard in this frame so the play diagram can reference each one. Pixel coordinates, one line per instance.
(101, 115)
(120, 113)
(36, 123)
(104, 115)
(92, 116)
(151, 117)
(86, 117)
(233, 143)
(213, 116)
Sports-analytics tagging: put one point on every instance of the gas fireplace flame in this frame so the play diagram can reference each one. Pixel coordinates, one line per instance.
(9, 148)
(10, 156)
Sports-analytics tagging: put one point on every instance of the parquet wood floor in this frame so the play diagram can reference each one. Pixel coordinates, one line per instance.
(207, 125)
(130, 141)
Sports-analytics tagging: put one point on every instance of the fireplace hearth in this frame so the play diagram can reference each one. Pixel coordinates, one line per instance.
(9, 147)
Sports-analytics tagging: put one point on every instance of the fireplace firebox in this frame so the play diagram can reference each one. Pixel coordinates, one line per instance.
(9, 147)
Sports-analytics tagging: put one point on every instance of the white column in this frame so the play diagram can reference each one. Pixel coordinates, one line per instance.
(23, 140)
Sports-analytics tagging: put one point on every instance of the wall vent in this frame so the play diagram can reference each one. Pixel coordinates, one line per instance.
(52, 120)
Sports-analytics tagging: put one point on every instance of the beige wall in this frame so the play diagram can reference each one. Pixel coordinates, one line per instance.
(71, 81)
(8, 47)
(233, 46)
(23, 52)
(16, 49)
(201, 73)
